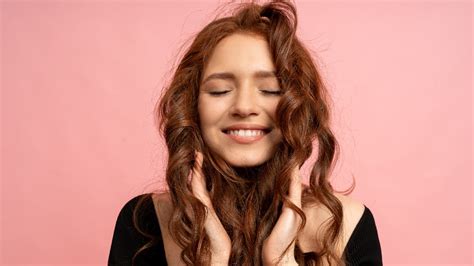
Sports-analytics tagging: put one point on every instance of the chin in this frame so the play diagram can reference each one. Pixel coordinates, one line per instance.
(245, 162)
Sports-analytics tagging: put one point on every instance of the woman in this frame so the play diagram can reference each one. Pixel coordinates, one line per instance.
(239, 118)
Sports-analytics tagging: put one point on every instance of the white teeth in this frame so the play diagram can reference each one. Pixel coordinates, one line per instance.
(246, 133)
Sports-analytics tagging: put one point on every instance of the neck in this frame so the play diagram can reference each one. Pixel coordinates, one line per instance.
(248, 172)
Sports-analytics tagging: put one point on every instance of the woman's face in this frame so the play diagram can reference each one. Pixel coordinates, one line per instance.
(238, 97)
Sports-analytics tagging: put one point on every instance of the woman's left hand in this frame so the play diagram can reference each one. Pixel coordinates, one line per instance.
(285, 229)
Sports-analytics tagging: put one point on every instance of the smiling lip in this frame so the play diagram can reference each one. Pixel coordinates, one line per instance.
(247, 127)
(246, 139)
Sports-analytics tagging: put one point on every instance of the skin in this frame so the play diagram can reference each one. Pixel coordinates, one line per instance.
(241, 96)
(281, 236)
(245, 99)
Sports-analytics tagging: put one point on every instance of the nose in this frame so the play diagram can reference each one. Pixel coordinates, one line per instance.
(245, 103)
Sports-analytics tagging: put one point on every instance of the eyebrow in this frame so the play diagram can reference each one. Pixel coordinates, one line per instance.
(261, 74)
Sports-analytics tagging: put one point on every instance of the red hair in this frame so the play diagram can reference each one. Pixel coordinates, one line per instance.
(248, 202)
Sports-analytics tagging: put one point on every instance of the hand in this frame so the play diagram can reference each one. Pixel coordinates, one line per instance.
(219, 239)
(285, 229)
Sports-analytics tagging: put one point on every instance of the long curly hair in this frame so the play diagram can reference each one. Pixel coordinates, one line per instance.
(248, 201)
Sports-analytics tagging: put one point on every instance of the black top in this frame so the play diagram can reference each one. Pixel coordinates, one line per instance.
(363, 247)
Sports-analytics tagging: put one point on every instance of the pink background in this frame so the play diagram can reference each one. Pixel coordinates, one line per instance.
(79, 80)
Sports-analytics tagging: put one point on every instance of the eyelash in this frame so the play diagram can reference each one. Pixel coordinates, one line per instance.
(220, 93)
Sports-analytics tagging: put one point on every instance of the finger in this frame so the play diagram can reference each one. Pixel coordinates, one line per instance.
(295, 189)
(196, 177)
(284, 233)
(290, 220)
(214, 228)
(198, 182)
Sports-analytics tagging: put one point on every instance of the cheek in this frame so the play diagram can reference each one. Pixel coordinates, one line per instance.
(271, 108)
(210, 114)
(205, 113)
(205, 123)
(202, 110)
(211, 110)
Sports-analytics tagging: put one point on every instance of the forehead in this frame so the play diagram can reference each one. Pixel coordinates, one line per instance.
(240, 54)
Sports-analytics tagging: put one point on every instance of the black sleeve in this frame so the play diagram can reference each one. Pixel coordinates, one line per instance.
(126, 240)
(363, 247)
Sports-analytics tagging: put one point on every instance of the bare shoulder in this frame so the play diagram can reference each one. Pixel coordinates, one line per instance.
(163, 206)
(353, 210)
(319, 215)
(162, 197)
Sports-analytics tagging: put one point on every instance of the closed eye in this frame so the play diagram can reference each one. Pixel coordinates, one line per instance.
(271, 92)
(217, 93)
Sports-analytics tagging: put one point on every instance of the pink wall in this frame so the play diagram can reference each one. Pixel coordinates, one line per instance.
(79, 80)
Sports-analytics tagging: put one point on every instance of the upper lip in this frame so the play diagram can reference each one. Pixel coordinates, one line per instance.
(247, 127)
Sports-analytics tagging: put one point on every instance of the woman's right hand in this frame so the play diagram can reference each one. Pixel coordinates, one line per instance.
(219, 239)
